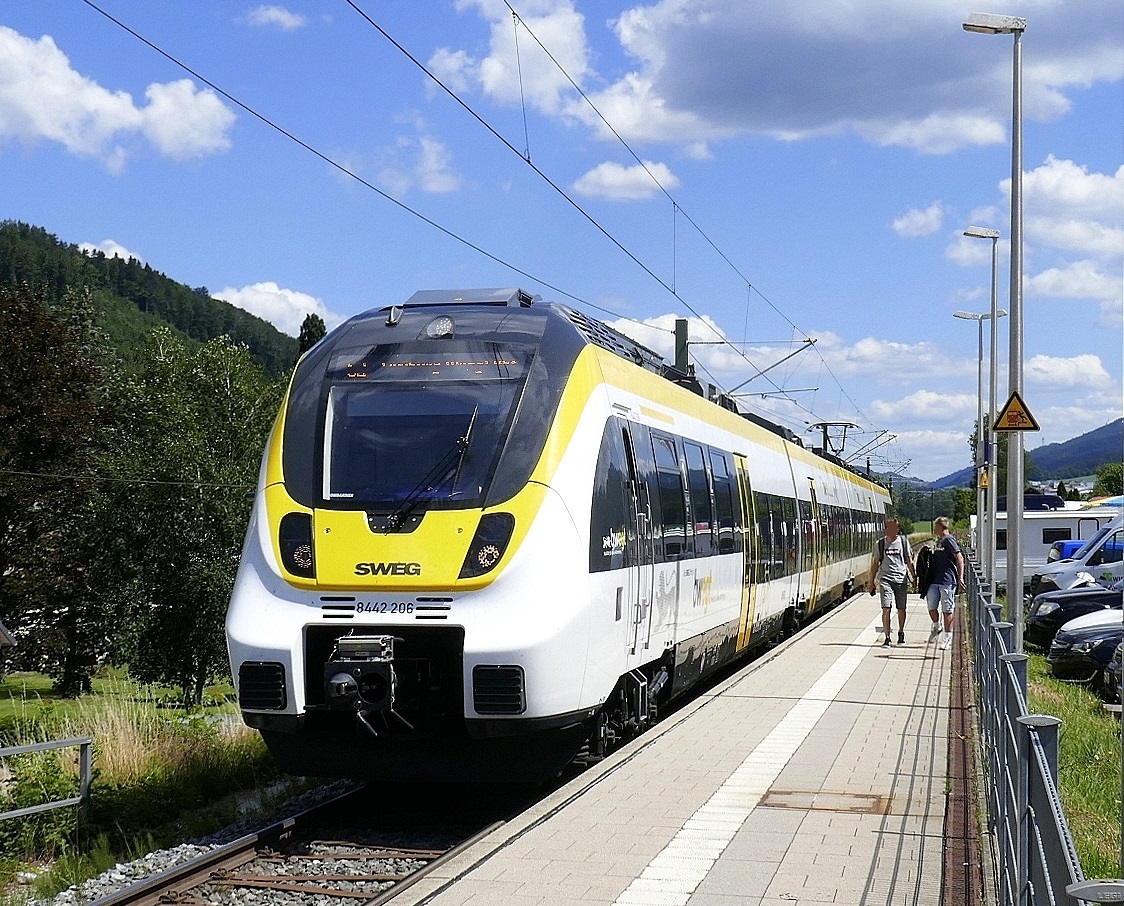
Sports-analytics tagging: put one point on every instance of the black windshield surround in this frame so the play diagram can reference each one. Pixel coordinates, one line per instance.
(378, 413)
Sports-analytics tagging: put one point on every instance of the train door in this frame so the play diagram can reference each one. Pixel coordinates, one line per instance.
(816, 541)
(640, 471)
(751, 556)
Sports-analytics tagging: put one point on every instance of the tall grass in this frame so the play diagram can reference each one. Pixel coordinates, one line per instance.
(161, 775)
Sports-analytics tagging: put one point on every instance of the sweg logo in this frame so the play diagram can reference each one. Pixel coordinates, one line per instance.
(388, 569)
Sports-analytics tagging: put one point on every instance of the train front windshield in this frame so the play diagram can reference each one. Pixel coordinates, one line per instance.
(419, 424)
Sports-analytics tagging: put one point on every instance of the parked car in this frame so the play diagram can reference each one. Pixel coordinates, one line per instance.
(1110, 679)
(1082, 648)
(1051, 610)
(1102, 556)
(1064, 550)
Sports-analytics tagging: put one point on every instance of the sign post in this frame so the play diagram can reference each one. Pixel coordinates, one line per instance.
(1015, 417)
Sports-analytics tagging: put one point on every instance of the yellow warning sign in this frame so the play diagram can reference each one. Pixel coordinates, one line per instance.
(1015, 416)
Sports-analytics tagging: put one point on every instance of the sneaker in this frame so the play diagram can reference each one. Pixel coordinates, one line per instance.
(946, 643)
(935, 631)
(886, 642)
(901, 638)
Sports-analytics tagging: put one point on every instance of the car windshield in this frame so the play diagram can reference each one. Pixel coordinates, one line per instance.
(1090, 544)
(419, 424)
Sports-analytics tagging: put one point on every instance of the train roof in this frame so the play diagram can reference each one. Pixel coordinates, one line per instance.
(593, 332)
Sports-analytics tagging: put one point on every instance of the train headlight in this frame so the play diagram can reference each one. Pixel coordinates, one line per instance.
(488, 544)
(440, 328)
(297, 553)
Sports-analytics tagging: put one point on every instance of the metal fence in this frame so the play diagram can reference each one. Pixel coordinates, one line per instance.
(1034, 857)
(85, 772)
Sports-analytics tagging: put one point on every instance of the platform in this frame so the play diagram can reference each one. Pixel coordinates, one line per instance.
(817, 774)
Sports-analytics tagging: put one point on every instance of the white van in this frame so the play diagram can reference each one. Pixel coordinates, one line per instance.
(1102, 557)
(1043, 528)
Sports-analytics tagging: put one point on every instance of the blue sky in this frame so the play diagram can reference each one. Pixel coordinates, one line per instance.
(775, 172)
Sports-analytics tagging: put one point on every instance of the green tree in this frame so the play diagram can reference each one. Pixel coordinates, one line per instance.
(52, 417)
(312, 332)
(193, 425)
(1110, 480)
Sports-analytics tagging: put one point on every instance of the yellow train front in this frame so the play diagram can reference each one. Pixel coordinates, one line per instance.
(490, 533)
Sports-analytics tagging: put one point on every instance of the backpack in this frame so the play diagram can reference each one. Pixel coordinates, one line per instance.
(924, 569)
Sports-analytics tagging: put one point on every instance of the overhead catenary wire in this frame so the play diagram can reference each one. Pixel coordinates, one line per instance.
(670, 288)
(461, 239)
(350, 173)
(677, 208)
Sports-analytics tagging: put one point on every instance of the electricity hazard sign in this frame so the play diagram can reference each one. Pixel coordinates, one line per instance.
(1015, 416)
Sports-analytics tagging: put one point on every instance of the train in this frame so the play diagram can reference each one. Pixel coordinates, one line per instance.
(492, 534)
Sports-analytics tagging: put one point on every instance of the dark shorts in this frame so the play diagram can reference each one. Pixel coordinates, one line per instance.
(893, 593)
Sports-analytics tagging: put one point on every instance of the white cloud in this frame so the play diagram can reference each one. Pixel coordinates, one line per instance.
(614, 182)
(43, 99)
(285, 309)
(184, 123)
(433, 169)
(701, 70)
(914, 223)
(514, 75)
(276, 17)
(1079, 280)
(419, 162)
(1080, 371)
(110, 248)
(938, 133)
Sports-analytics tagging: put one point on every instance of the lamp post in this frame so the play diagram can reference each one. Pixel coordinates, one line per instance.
(985, 538)
(991, 455)
(986, 23)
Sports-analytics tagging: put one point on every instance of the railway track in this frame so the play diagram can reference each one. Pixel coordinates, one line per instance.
(365, 846)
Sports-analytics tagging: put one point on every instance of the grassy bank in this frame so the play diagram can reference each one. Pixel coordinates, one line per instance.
(1088, 767)
(161, 775)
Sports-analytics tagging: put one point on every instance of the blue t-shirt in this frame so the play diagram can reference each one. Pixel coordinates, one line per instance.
(944, 562)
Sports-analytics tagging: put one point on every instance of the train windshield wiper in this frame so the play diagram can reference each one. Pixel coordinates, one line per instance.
(436, 476)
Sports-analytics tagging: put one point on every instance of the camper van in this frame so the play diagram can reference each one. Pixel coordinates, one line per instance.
(1043, 528)
(1102, 558)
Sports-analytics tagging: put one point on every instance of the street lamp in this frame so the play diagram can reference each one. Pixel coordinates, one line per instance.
(985, 540)
(989, 24)
(991, 456)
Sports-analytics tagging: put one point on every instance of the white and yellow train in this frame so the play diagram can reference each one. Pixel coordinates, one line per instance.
(491, 532)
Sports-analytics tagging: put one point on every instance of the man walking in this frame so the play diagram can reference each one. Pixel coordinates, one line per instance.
(947, 580)
(890, 568)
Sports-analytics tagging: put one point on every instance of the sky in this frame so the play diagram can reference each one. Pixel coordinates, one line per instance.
(792, 177)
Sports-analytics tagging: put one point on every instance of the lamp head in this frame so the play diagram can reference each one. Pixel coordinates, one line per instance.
(991, 24)
(981, 233)
(969, 315)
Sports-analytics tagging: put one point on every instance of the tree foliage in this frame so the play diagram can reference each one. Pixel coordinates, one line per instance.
(313, 331)
(133, 297)
(53, 414)
(124, 494)
(1110, 480)
(196, 422)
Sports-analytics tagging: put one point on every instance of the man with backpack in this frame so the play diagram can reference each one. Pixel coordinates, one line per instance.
(890, 568)
(946, 578)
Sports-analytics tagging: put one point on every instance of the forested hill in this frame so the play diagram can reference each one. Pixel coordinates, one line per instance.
(133, 298)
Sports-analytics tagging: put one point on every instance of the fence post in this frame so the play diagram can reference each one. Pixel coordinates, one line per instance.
(85, 775)
(1020, 736)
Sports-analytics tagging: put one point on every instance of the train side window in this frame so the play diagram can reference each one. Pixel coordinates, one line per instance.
(788, 532)
(612, 524)
(702, 515)
(646, 474)
(725, 503)
(770, 564)
(673, 508)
